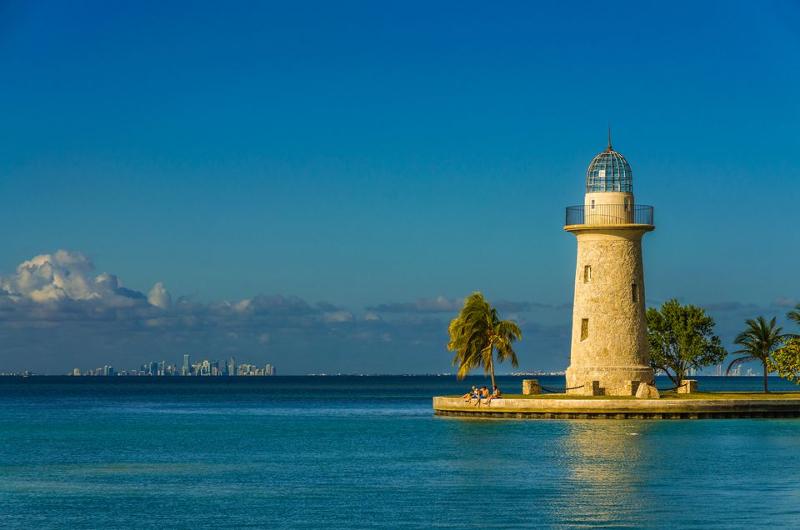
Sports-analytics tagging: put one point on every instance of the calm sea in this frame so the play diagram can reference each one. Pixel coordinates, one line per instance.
(354, 452)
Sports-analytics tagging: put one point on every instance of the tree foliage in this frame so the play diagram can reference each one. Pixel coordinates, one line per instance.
(759, 341)
(477, 333)
(786, 360)
(681, 337)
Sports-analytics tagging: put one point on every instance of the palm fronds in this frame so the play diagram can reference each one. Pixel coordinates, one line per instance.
(794, 314)
(477, 333)
(758, 341)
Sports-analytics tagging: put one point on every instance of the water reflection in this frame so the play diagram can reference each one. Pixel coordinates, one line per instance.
(577, 472)
(605, 471)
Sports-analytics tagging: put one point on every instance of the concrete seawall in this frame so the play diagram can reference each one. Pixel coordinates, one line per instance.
(629, 408)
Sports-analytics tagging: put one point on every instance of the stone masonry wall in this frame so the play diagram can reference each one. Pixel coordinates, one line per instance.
(615, 348)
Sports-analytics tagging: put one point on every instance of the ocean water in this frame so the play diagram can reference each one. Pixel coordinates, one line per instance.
(360, 452)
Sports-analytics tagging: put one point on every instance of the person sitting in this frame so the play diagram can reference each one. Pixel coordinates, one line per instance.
(476, 395)
(496, 394)
(483, 393)
(469, 396)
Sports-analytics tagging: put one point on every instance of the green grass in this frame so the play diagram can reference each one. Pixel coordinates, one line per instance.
(562, 396)
(668, 395)
(732, 395)
(556, 396)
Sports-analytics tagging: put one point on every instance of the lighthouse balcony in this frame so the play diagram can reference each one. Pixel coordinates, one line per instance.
(609, 214)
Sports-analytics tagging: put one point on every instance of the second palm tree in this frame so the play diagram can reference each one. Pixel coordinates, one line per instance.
(759, 341)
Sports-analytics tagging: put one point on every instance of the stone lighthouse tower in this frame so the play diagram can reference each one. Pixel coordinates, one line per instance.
(610, 353)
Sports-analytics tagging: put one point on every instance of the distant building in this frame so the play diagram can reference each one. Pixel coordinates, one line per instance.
(205, 367)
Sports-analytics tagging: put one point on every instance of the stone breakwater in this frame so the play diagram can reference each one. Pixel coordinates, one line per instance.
(562, 407)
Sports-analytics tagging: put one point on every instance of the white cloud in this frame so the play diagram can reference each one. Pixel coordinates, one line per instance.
(49, 277)
(338, 316)
(62, 287)
(242, 306)
(64, 277)
(159, 296)
(440, 304)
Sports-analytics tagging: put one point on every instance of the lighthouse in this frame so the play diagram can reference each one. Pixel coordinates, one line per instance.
(610, 352)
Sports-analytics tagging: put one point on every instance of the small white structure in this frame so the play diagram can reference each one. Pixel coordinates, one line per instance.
(609, 339)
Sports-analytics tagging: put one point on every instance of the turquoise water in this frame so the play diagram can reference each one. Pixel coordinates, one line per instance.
(342, 452)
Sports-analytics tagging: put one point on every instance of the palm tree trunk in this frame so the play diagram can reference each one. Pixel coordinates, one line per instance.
(491, 367)
(766, 373)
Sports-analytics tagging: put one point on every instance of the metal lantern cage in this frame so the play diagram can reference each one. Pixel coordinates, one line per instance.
(609, 171)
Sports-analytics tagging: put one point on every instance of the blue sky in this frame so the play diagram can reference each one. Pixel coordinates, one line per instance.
(369, 155)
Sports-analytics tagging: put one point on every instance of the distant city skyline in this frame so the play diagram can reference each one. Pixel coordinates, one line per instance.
(202, 368)
(322, 185)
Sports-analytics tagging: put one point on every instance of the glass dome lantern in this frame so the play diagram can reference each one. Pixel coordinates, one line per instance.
(609, 171)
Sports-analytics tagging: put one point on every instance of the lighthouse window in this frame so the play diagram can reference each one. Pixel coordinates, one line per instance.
(626, 205)
(634, 292)
(584, 328)
(587, 274)
(592, 204)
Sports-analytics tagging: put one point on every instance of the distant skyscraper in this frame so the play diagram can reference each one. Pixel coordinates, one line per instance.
(185, 369)
(153, 368)
(232, 366)
(269, 369)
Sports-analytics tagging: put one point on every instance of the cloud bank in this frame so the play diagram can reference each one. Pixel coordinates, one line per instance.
(58, 312)
(65, 276)
(442, 304)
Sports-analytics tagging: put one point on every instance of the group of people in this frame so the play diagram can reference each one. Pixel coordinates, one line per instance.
(481, 394)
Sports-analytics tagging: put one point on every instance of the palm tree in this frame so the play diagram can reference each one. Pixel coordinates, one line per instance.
(759, 341)
(794, 314)
(476, 333)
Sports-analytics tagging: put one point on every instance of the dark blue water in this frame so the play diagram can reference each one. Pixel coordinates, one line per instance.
(352, 452)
